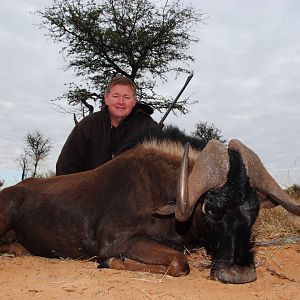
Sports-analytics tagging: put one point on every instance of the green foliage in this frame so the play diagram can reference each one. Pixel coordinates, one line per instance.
(208, 132)
(140, 39)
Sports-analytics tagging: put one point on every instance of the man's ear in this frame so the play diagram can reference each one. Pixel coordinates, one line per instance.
(105, 99)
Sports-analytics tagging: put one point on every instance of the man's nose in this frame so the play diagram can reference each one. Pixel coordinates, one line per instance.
(121, 99)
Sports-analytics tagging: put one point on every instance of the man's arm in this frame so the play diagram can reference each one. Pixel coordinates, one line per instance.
(73, 154)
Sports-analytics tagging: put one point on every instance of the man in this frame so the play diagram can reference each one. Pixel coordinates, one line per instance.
(99, 136)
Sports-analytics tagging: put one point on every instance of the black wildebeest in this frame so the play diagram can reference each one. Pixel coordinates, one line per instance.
(136, 211)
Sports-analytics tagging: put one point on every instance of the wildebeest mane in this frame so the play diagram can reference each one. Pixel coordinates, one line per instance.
(168, 133)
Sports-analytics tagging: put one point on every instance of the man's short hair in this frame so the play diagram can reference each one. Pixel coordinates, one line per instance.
(123, 80)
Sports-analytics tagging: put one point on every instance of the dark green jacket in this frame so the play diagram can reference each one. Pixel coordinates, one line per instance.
(93, 142)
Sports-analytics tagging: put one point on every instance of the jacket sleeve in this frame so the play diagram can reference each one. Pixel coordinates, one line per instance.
(73, 153)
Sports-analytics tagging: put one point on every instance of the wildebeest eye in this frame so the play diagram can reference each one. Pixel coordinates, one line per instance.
(214, 212)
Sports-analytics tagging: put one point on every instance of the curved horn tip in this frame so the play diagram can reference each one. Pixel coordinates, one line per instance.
(182, 201)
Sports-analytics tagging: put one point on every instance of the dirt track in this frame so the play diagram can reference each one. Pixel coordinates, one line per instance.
(278, 272)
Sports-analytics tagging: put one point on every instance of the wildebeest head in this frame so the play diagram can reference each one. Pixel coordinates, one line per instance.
(229, 204)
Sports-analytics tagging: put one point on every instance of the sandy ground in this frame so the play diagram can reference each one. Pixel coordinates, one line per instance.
(278, 272)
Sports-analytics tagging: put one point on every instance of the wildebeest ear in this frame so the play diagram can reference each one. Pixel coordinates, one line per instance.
(265, 201)
(166, 209)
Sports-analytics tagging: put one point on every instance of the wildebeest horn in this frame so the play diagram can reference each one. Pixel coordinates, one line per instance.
(261, 180)
(209, 172)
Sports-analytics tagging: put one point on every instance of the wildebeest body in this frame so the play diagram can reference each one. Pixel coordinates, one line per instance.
(92, 215)
(125, 209)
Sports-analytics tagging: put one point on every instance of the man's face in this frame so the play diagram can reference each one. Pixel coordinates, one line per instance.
(120, 101)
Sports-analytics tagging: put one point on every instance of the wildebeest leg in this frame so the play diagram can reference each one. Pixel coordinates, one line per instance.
(6, 208)
(132, 265)
(13, 248)
(10, 200)
(5, 227)
(8, 237)
(150, 256)
(8, 243)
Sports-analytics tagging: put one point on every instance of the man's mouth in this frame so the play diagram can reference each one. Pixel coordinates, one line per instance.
(120, 108)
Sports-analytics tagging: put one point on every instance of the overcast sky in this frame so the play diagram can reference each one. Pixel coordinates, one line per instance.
(246, 80)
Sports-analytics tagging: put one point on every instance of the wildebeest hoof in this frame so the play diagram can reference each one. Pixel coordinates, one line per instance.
(103, 264)
(14, 248)
(9, 237)
(228, 273)
(179, 266)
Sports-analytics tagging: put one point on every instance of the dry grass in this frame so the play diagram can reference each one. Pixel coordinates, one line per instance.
(277, 222)
(294, 191)
(198, 258)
